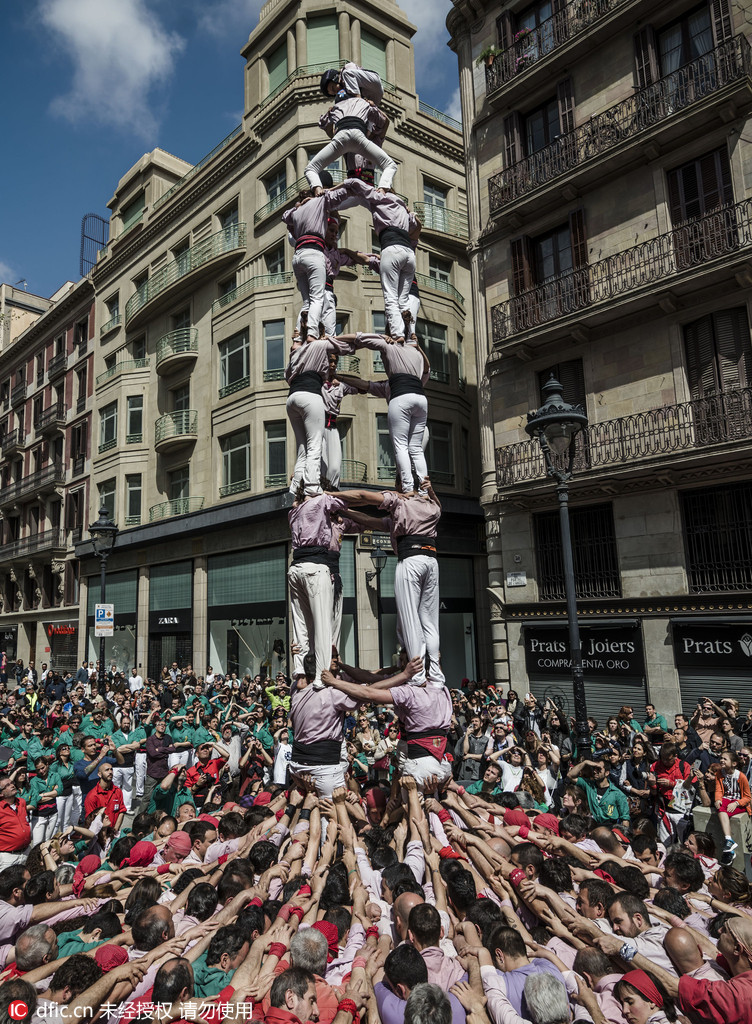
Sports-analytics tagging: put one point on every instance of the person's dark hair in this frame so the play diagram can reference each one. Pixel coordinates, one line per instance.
(509, 941)
(234, 825)
(148, 930)
(644, 844)
(508, 801)
(425, 924)
(461, 890)
(632, 880)
(556, 875)
(185, 878)
(408, 885)
(592, 961)
(143, 825)
(122, 849)
(383, 857)
(172, 978)
(11, 878)
(405, 966)
(262, 856)
(688, 871)
(449, 867)
(294, 979)
(341, 918)
(485, 915)
(291, 886)
(630, 904)
(395, 873)
(17, 990)
(108, 923)
(78, 972)
(669, 1007)
(715, 925)
(336, 891)
(202, 901)
(38, 888)
(112, 907)
(527, 854)
(576, 824)
(705, 843)
(254, 816)
(644, 827)
(146, 891)
(196, 830)
(251, 920)
(229, 887)
(597, 891)
(229, 939)
(734, 883)
(672, 901)
(272, 908)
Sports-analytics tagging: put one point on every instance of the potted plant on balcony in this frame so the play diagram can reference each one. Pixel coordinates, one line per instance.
(487, 56)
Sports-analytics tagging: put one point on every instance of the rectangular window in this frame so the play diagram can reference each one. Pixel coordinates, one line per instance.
(440, 453)
(236, 463)
(596, 565)
(134, 425)
(372, 52)
(234, 371)
(276, 66)
(133, 500)
(276, 454)
(542, 126)
(323, 40)
(385, 464)
(275, 260)
(571, 377)
(700, 186)
(113, 307)
(718, 538)
(133, 211)
(108, 427)
(434, 340)
(718, 352)
(138, 348)
(181, 320)
(434, 195)
(179, 483)
(685, 40)
(181, 398)
(82, 331)
(438, 269)
(274, 350)
(229, 217)
(275, 184)
(107, 497)
(228, 285)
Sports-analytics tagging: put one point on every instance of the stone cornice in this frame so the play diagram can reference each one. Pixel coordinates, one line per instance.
(430, 141)
(685, 604)
(49, 321)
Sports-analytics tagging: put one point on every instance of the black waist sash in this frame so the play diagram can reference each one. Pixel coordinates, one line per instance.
(329, 284)
(331, 419)
(320, 752)
(416, 544)
(351, 122)
(310, 241)
(414, 750)
(414, 289)
(309, 381)
(394, 236)
(404, 384)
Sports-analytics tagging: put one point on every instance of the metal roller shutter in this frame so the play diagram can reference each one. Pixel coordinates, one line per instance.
(728, 683)
(604, 696)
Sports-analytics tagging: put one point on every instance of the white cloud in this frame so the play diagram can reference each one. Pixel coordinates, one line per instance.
(225, 19)
(454, 106)
(7, 274)
(120, 51)
(431, 53)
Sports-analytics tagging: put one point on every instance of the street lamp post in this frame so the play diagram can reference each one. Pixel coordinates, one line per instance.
(103, 533)
(378, 558)
(556, 425)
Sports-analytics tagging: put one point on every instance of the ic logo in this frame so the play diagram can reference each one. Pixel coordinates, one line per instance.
(18, 1010)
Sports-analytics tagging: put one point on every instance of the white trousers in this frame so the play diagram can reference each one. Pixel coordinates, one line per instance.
(416, 591)
(406, 417)
(9, 860)
(140, 773)
(413, 304)
(180, 758)
(327, 777)
(43, 829)
(307, 416)
(124, 778)
(397, 273)
(328, 315)
(351, 140)
(69, 809)
(422, 768)
(312, 614)
(309, 267)
(331, 456)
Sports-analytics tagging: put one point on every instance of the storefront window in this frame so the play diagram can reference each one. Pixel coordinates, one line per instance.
(122, 592)
(62, 641)
(170, 616)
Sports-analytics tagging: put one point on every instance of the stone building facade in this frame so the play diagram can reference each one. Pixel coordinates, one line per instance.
(609, 198)
(195, 307)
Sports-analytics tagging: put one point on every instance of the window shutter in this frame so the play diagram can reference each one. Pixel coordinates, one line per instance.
(702, 374)
(565, 98)
(646, 57)
(522, 264)
(505, 30)
(578, 237)
(322, 40)
(721, 17)
(372, 52)
(701, 186)
(276, 66)
(512, 138)
(733, 348)
(571, 377)
(675, 196)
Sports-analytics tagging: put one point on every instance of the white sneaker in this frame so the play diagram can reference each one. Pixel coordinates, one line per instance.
(729, 846)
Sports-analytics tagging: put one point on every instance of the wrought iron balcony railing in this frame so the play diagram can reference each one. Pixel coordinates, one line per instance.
(57, 365)
(183, 342)
(52, 418)
(225, 241)
(176, 507)
(290, 194)
(531, 45)
(196, 168)
(694, 243)
(311, 71)
(427, 281)
(47, 540)
(43, 480)
(260, 281)
(438, 218)
(14, 440)
(183, 423)
(127, 366)
(238, 487)
(275, 480)
(112, 325)
(684, 87)
(439, 115)
(686, 426)
(18, 394)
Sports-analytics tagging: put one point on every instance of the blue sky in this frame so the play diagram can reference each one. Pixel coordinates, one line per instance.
(91, 85)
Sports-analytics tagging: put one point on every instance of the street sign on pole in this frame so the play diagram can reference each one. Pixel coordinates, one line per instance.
(104, 619)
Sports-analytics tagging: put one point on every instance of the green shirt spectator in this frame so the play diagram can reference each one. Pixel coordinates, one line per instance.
(607, 805)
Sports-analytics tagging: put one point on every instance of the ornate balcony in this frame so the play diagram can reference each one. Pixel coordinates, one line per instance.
(111, 326)
(175, 429)
(126, 366)
(704, 423)
(604, 133)
(251, 285)
(46, 542)
(44, 481)
(442, 221)
(13, 442)
(695, 244)
(57, 366)
(176, 507)
(312, 71)
(52, 420)
(426, 281)
(353, 472)
(206, 254)
(530, 46)
(176, 349)
(18, 394)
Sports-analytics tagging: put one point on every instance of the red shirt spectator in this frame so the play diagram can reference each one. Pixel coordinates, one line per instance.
(15, 831)
(106, 794)
(202, 776)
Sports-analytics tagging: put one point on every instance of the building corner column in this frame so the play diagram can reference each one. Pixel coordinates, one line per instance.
(344, 36)
(301, 48)
(142, 627)
(200, 614)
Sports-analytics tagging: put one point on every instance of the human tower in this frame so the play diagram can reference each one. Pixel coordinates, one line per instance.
(324, 689)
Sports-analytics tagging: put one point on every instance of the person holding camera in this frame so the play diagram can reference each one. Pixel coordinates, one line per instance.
(207, 772)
